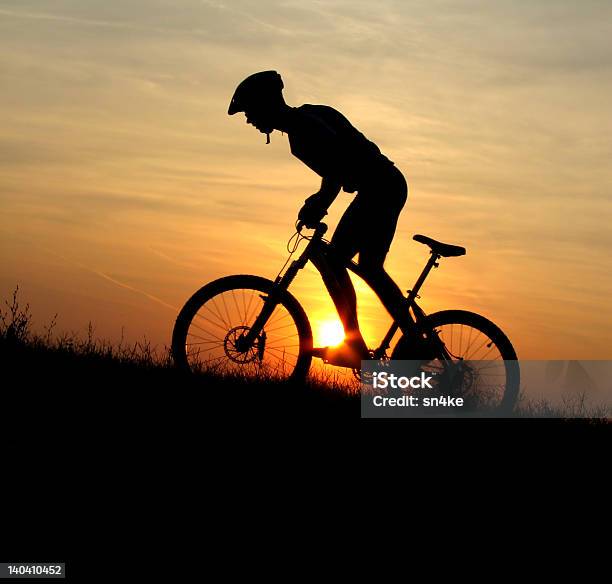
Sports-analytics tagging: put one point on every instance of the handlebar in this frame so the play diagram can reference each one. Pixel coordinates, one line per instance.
(319, 228)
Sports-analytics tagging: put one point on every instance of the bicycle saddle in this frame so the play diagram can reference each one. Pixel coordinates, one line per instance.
(446, 250)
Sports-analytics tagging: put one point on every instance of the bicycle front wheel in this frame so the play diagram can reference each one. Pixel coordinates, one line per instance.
(209, 328)
(487, 372)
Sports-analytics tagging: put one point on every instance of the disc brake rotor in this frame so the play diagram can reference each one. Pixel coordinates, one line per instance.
(230, 345)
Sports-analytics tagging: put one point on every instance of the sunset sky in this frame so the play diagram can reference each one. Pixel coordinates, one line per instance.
(124, 185)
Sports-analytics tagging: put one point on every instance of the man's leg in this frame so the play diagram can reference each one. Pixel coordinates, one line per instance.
(389, 292)
(345, 245)
(340, 287)
(367, 227)
(382, 224)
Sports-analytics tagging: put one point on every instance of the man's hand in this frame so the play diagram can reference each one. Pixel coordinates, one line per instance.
(313, 211)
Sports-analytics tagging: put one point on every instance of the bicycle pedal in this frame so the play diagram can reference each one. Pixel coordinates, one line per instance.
(319, 352)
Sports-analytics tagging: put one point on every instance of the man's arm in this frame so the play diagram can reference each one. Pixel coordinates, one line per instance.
(328, 192)
(315, 207)
(325, 197)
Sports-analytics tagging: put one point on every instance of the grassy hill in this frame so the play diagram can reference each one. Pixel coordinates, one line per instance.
(65, 375)
(67, 371)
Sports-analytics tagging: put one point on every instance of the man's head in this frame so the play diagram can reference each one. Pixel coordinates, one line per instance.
(260, 97)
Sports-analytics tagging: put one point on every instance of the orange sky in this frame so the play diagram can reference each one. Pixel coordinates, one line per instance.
(125, 186)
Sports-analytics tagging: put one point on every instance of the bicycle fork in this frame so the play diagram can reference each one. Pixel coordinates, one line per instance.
(256, 331)
(271, 300)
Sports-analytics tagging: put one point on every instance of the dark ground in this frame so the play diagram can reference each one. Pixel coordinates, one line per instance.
(98, 442)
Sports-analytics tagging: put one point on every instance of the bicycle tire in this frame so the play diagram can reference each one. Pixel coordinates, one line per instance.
(232, 286)
(462, 318)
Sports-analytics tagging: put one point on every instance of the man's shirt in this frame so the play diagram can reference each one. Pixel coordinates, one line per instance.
(323, 139)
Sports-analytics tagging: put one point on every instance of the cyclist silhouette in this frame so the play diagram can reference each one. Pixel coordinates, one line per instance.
(324, 140)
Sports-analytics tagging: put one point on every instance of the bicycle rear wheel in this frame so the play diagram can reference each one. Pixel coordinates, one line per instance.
(207, 332)
(486, 372)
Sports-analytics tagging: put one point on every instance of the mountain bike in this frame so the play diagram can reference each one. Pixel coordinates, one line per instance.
(249, 326)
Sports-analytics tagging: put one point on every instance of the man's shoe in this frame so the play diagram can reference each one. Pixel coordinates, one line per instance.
(344, 355)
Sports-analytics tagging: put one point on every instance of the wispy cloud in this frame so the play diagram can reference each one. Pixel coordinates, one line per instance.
(77, 20)
(113, 280)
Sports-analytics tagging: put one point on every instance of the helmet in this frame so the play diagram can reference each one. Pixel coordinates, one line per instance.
(259, 89)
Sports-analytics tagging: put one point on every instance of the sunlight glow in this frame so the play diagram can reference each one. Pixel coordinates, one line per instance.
(331, 333)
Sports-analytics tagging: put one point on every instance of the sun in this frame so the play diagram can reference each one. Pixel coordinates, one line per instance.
(331, 333)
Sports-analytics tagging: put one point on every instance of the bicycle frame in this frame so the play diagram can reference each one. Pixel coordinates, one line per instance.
(320, 250)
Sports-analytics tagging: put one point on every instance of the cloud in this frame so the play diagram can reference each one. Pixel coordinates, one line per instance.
(113, 279)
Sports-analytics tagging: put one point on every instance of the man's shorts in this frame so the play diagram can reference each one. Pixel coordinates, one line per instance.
(369, 223)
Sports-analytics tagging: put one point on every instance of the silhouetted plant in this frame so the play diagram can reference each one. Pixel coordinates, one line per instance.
(48, 328)
(16, 322)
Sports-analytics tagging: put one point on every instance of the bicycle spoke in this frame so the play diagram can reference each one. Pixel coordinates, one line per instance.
(206, 331)
(211, 322)
(226, 311)
(204, 343)
(283, 352)
(495, 364)
(244, 307)
(225, 324)
(278, 340)
(256, 308)
(236, 305)
(491, 348)
(202, 338)
(275, 319)
(470, 357)
(471, 340)
(281, 327)
(219, 313)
